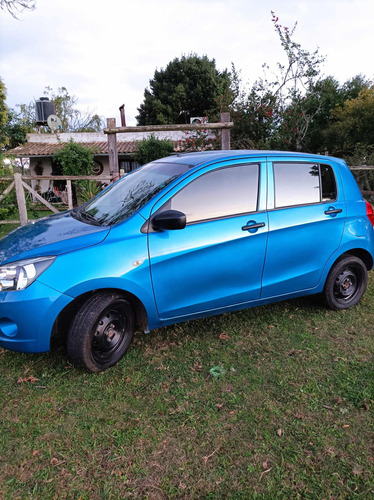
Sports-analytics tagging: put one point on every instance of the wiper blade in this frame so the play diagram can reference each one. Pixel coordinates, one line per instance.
(89, 218)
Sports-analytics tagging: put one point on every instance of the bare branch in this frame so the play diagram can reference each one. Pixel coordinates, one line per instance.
(15, 7)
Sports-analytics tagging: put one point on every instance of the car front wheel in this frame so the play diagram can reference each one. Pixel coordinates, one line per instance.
(346, 283)
(101, 331)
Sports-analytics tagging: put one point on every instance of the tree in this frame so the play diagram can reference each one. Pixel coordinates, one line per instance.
(72, 119)
(15, 129)
(3, 115)
(15, 7)
(151, 148)
(273, 113)
(352, 124)
(254, 116)
(189, 86)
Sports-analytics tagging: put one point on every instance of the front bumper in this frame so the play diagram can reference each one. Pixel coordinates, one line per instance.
(27, 317)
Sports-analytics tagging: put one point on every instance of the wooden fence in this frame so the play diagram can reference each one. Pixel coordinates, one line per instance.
(19, 183)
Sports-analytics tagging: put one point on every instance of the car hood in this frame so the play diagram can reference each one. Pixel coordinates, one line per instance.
(53, 235)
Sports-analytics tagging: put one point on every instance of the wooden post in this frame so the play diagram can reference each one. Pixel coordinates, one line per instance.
(70, 194)
(21, 201)
(225, 133)
(112, 150)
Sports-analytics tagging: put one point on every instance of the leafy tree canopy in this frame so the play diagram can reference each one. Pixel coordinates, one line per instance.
(15, 129)
(189, 86)
(352, 123)
(3, 115)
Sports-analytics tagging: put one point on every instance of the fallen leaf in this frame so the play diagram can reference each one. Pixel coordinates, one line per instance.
(279, 432)
(30, 379)
(55, 462)
(224, 336)
(35, 452)
(365, 406)
(357, 470)
(196, 367)
(294, 351)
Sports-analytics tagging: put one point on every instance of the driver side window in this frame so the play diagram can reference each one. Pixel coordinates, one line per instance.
(223, 192)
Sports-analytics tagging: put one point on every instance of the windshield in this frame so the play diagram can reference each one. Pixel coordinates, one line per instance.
(124, 198)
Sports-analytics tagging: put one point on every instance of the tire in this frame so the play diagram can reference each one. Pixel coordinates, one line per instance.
(101, 331)
(346, 283)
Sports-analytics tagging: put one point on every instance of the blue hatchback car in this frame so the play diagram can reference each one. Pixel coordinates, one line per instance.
(183, 237)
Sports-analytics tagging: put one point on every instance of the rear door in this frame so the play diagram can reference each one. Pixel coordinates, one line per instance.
(217, 259)
(307, 214)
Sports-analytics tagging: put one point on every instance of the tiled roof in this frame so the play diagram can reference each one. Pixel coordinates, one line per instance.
(46, 149)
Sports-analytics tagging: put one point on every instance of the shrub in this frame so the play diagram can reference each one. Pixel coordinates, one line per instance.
(151, 149)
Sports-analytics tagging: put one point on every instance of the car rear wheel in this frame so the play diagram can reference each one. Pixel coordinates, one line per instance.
(346, 283)
(101, 331)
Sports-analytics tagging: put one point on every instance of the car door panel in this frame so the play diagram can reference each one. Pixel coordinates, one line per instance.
(208, 264)
(301, 240)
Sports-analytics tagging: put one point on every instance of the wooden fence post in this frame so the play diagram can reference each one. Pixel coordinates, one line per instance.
(225, 133)
(21, 201)
(112, 149)
(70, 194)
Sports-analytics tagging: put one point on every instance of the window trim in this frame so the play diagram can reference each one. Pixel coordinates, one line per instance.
(320, 202)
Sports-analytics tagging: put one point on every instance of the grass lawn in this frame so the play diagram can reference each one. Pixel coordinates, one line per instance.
(272, 402)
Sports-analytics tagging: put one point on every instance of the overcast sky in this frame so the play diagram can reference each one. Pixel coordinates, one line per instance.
(105, 52)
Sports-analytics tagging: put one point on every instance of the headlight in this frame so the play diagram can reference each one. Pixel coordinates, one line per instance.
(19, 275)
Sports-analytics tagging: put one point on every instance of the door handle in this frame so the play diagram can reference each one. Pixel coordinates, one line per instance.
(332, 211)
(253, 226)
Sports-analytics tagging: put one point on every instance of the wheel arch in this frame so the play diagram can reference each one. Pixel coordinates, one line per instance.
(64, 319)
(362, 254)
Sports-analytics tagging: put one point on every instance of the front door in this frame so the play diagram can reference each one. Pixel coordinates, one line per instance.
(217, 259)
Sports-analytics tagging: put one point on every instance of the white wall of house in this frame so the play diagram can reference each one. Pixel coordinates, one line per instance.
(100, 136)
(46, 165)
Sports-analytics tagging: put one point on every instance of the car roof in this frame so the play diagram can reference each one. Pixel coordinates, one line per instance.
(198, 158)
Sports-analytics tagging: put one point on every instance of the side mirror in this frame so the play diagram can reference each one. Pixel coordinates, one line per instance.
(169, 219)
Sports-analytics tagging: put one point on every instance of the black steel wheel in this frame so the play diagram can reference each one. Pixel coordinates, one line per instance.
(101, 331)
(346, 283)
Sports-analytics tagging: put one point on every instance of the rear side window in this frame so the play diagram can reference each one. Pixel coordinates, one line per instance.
(329, 192)
(303, 184)
(220, 193)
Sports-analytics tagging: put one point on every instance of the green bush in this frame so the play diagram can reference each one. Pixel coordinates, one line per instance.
(8, 205)
(87, 190)
(75, 159)
(151, 149)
